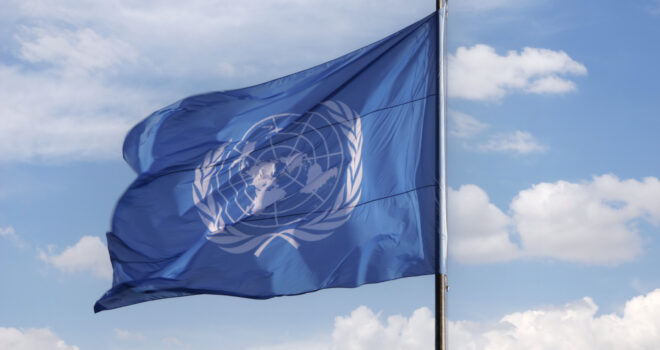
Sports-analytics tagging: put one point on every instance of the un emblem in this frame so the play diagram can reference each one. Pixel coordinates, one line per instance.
(293, 177)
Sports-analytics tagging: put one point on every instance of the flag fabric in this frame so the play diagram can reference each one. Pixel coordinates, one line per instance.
(324, 178)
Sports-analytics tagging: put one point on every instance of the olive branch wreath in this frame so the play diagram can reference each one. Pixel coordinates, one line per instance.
(227, 236)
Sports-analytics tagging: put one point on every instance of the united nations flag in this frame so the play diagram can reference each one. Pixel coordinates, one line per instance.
(324, 178)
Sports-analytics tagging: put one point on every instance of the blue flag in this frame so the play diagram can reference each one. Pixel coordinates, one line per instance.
(323, 178)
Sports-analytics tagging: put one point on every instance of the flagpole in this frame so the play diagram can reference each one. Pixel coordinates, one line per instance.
(441, 272)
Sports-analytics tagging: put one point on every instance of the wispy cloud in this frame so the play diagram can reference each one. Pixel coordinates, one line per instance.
(75, 51)
(50, 115)
(480, 73)
(464, 126)
(88, 255)
(173, 343)
(471, 6)
(521, 142)
(654, 7)
(7, 232)
(123, 334)
(10, 234)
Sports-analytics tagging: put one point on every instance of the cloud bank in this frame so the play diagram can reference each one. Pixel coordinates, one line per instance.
(571, 326)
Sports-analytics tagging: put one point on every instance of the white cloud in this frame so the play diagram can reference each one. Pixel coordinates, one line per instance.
(81, 50)
(471, 6)
(480, 73)
(571, 326)
(123, 334)
(7, 232)
(296, 345)
(10, 234)
(464, 126)
(84, 72)
(32, 339)
(364, 330)
(51, 115)
(641, 286)
(591, 222)
(479, 230)
(521, 142)
(172, 342)
(654, 7)
(65, 94)
(551, 85)
(88, 255)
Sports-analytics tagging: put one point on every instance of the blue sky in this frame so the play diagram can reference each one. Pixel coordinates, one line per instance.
(554, 236)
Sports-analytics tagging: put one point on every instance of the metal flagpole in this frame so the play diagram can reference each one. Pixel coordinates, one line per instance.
(441, 273)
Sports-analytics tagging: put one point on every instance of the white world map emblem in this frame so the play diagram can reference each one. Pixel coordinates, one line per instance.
(295, 177)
